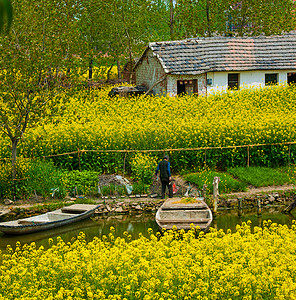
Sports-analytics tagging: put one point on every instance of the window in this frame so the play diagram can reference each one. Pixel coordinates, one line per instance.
(291, 78)
(233, 81)
(187, 87)
(271, 79)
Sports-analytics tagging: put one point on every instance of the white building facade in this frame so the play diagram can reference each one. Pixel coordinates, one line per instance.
(205, 66)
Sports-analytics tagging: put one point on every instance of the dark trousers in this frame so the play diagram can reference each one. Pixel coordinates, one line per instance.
(166, 183)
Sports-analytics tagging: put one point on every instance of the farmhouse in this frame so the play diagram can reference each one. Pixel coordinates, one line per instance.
(208, 65)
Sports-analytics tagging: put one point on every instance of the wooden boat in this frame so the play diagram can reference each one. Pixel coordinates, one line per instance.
(179, 213)
(49, 220)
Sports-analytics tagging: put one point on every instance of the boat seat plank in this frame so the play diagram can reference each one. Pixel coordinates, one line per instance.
(78, 208)
(176, 204)
(184, 208)
(26, 222)
(56, 216)
(202, 220)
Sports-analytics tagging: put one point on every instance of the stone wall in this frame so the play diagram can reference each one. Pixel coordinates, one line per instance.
(149, 71)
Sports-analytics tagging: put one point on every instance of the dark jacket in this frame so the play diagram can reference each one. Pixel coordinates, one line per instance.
(164, 168)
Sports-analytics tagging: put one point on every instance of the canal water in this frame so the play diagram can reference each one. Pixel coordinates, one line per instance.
(136, 224)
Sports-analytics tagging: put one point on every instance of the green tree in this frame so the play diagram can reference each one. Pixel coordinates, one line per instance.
(34, 59)
(114, 30)
(6, 15)
(263, 17)
(203, 17)
(178, 19)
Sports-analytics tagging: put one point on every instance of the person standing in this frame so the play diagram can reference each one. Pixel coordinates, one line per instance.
(165, 176)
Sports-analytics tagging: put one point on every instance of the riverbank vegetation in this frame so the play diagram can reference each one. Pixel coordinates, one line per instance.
(42, 178)
(246, 264)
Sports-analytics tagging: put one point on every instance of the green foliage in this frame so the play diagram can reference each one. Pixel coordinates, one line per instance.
(84, 201)
(19, 187)
(37, 176)
(6, 14)
(226, 185)
(5, 179)
(143, 167)
(81, 182)
(261, 176)
(112, 190)
(45, 179)
(140, 188)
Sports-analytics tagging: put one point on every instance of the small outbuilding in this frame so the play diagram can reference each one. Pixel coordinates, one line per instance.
(207, 65)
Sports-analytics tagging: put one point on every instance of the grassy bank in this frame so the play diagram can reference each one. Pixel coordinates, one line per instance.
(44, 179)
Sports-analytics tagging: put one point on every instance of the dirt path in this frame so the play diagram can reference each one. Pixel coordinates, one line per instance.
(265, 189)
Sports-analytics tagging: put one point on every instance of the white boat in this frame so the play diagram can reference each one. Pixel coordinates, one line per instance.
(182, 214)
(49, 220)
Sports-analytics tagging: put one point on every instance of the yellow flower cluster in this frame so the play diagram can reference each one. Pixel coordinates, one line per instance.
(101, 73)
(143, 167)
(258, 263)
(92, 120)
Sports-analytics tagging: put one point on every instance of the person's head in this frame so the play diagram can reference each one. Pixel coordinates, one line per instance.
(166, 157)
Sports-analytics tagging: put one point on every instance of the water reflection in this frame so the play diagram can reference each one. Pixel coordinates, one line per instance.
(229, 220)
(135, 224)
(97, 226)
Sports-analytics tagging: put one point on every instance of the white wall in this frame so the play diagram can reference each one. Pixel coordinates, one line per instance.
(172, 83)
(247, 79)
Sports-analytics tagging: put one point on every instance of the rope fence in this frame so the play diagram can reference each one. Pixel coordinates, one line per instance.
(81, 151)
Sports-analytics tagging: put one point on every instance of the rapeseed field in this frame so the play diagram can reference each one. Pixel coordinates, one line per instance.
(251, 263)
(90, 120)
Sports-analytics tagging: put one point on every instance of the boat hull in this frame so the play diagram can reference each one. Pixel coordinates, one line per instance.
(184, 215)
(50, 220)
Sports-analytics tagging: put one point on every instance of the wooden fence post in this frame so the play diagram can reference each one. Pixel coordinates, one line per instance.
(248, 156)
(204, 191)
(79, 163)
(124, 162)
(215, 193)
(289, 155)
(240, 206)
(258, 206)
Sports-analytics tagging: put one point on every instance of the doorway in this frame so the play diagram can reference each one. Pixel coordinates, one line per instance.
(188, 87)
(291, 78)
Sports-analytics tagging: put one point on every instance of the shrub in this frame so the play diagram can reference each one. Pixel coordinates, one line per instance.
(45, 179)
(226, 185)
(140, 188)
(81, 182)
(33, 176)
(18, 188)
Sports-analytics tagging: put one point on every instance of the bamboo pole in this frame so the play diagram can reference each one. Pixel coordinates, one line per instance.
(160, 150)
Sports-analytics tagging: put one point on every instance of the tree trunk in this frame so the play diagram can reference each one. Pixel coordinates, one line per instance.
(118, 70)
(90, 70)
(14, 143)
(208, 18)
(172, 19)
(108, 73)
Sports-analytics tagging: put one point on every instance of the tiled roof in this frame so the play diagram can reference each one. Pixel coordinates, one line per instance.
(195, 56)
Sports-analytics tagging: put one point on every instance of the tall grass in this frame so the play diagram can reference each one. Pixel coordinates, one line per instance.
(261, 176)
